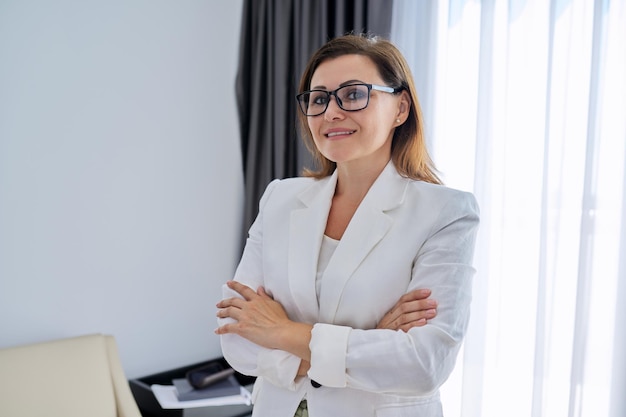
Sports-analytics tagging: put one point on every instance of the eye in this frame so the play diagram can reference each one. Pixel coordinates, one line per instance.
(354, 93)
(318, 98)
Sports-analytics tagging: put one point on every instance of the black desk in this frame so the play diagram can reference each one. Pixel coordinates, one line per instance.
(149, 406)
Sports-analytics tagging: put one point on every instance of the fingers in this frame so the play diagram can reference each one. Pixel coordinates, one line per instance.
(231, 302)
(257, 311)
(415, 318)
(405, 328)
(225, 329)
(413, 309)
(226, 311)
(246, 292)
(233, 307)
(407, 320)
(405, 311)
(419, 294)
(261, 291)
(415, 306)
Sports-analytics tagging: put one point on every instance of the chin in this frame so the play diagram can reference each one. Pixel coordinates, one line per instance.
(338, 159)
(337, 155)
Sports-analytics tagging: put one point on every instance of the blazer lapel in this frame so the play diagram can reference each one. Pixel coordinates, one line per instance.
(367, 227)
(307, 225)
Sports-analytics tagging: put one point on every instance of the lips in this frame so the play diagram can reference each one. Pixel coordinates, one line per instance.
(339, 133)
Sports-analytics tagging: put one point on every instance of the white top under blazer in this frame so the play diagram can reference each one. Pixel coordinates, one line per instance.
(405, 235)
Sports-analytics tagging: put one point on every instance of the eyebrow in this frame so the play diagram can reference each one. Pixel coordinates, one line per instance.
(323, 87)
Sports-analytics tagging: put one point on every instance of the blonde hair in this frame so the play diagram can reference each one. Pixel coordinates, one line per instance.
(408, 148)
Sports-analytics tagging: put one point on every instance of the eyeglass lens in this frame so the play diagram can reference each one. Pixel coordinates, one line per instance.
(350, 98)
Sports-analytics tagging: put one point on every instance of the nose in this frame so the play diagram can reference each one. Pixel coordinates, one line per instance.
(333, 111)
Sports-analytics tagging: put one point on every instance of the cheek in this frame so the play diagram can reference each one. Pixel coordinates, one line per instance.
(313, 128)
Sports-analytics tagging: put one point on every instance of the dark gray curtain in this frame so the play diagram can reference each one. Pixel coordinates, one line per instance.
(277, 39)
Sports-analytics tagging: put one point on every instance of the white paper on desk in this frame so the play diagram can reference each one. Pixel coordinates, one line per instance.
(166, 396)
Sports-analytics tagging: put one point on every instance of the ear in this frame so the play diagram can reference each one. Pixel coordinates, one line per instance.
(404, 107)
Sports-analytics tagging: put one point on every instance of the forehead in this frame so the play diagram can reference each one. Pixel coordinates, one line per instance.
(332, 72)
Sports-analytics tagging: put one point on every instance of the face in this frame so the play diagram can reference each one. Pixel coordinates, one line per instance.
(357, 137)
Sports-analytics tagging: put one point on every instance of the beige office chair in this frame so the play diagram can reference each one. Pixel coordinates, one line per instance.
(76, 377)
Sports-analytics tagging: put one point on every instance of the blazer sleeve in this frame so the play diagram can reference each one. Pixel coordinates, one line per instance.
(277, 366)
(419, 361)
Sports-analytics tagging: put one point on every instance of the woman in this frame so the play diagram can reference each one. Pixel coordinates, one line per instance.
(327, 307)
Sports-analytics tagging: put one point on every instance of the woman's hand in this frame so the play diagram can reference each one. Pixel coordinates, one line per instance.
(304, 368)
(262, 320)
(413, 309)
(257, 315)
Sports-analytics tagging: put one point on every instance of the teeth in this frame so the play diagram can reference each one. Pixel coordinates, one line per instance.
(348, 132)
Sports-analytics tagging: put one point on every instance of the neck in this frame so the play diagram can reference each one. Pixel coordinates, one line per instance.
(353, 182)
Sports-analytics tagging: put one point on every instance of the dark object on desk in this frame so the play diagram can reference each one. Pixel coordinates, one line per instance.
(209, 374)
(149, 406)
(223, 388)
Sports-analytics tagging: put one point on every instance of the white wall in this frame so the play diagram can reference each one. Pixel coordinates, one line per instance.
(120, 174)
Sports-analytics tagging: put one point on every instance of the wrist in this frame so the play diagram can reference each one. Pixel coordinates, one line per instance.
(304, 367)
(295, 338)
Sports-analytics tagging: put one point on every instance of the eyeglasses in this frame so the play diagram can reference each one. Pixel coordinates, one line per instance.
(351, 97)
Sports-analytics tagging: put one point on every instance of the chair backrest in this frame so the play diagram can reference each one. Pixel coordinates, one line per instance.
(75, 377)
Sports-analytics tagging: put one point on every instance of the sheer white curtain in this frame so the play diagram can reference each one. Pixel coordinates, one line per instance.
(525, 105)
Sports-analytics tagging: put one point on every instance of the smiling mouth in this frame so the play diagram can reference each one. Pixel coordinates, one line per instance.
(345, 132)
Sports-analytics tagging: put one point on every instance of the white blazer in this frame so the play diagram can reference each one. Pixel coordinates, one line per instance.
(405, 235)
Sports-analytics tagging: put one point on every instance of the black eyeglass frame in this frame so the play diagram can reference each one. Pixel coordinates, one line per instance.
(370, 87)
